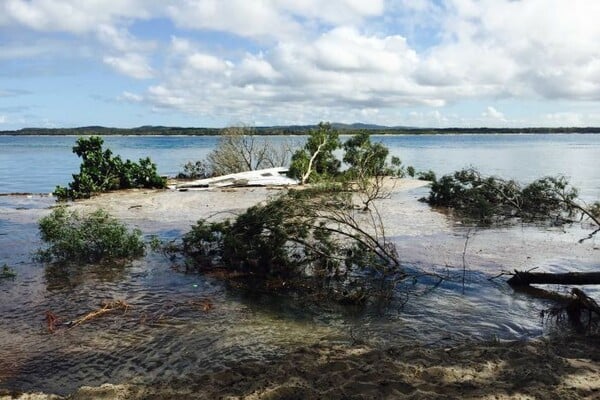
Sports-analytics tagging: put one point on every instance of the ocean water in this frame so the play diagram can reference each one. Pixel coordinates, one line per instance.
(36, 164)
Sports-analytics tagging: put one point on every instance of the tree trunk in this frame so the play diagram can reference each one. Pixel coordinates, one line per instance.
(570, 278)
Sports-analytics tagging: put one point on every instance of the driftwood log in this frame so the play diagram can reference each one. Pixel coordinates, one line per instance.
(571, 278)
(574, 306)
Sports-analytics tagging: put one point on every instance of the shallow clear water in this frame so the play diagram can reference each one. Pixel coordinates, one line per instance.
(166, 334)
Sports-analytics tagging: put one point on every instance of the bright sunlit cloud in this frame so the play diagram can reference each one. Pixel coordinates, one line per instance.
(211, 62)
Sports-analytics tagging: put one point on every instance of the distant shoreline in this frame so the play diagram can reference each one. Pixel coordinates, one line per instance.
(287, 130)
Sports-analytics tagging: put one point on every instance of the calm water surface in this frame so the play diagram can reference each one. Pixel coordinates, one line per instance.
(166, 335)
(36, 164)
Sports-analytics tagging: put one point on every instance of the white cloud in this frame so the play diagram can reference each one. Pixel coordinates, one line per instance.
(270, 18)
(340, 74)
(493, 114)
(242, 17)
(339, 59)
(119, 39)
(131, 97)
(544, 48)
(3, 119)
(346, 49)
(75, 16)
(333, 11)
(206, 63)
(133, 65)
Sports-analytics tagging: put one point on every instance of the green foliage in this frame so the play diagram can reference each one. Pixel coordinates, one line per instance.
(410, 170)
(98, 237)
(316, 161)
(427, 176)
(547, 196)
(100, 171)
(365, 158)
(195, 170)
(490, 199)
(7, 272)
(301, 236)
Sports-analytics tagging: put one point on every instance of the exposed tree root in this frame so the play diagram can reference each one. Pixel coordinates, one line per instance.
(575, 307)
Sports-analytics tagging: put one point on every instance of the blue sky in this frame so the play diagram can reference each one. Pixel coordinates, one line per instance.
(428, 63)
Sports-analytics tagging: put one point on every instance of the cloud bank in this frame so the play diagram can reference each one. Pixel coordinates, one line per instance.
(300, 61)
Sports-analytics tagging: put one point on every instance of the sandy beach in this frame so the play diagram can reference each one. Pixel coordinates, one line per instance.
(567, 368)
(548, 368)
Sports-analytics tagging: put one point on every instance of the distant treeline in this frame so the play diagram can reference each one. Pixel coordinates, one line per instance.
(286, 130)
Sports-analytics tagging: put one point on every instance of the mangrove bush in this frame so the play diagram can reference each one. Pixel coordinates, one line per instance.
(70, 237)
(195, 170)
(493, 199)
(100, 171)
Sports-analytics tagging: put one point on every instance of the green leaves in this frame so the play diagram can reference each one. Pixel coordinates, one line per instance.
(491, 199)
(313, 239)
(316, 161)
(98, 237)
(101, 172)
(364, 157)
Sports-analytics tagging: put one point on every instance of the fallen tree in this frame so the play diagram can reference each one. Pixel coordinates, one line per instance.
(490, 200)
(316, 240)
(581, 311)
(522, 278)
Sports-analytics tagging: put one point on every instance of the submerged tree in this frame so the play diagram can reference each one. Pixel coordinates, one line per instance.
(317, 239)
(492, 199)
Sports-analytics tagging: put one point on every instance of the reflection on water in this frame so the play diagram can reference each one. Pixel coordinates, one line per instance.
(67, 277)
(170, 333)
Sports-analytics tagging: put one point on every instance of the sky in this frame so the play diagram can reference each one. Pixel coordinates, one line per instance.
(215, 63)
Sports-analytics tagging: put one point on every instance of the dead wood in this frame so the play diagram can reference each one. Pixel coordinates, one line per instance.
(574, 305)
(52, 321)
(106, 308)
(521, 278)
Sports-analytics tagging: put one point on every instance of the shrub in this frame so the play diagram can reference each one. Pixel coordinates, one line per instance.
(426, 176)
(100, 171)
(491, 199)
(310, 238)
(97, 237)
(195, 170)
